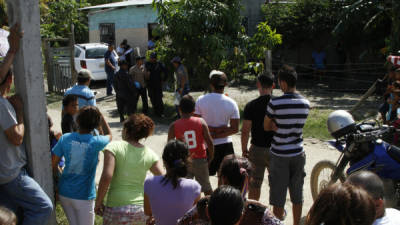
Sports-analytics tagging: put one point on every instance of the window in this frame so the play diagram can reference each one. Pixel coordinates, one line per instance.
(77, 52)
(107, 33)
(95, 53)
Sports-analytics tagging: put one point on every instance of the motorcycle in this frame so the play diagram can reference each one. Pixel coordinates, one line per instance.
(365, 148)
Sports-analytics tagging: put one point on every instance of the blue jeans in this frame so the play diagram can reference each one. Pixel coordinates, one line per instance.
(24, 192)
(110, 80)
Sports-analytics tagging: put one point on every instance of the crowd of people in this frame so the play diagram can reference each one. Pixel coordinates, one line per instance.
(199, 145)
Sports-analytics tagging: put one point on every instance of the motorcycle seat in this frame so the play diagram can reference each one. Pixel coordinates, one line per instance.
(394, 153)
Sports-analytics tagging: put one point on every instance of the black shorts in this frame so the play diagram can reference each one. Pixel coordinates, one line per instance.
(220, 151)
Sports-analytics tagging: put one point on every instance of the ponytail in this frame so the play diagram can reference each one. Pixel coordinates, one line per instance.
(175, 157)
(236, 170)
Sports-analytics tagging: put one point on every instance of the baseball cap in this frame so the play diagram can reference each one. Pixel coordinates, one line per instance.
(176, 59)
(140, 57)
(85, 74)
(153, 55)
(218, 78)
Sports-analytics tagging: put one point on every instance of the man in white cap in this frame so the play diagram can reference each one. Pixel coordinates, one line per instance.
(222, 116)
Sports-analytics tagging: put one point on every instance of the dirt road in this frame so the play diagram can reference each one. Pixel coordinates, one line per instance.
(316, 150)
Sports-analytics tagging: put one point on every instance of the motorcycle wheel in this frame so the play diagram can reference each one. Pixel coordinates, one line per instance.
(321, 176)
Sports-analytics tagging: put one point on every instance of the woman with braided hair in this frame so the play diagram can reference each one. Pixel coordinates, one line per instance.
(235, 172)
(126, 164)
(173, 189)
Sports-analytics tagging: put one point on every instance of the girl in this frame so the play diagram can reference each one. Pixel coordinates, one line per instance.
(125, 166)
(342, 204)
(234, 171)
(76, 186)
(172, 189)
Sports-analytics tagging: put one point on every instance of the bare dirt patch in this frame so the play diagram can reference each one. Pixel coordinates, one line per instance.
(316, 150)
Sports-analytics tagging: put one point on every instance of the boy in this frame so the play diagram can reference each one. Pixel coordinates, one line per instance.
(286, 116)
(194, 132)
(71, 107)
(258, 153)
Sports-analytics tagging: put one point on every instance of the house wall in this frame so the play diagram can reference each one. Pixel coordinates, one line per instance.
(130, 23)
(252, 10)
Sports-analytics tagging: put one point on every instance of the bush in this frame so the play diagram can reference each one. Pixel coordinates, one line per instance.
(206, 34)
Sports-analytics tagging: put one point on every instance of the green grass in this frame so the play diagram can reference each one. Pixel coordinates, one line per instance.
(316, 126)
(62, 219)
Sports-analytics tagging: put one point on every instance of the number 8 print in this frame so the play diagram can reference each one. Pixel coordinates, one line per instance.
(190, 139)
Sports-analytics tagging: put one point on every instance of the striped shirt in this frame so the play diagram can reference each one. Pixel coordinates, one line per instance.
(290, 113)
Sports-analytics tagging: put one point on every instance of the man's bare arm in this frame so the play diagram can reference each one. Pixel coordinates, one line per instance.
(208, 140)
(13, 39)
(269, 124)
(15, 134)
(171, 132)
(244, 137)
(226, 131)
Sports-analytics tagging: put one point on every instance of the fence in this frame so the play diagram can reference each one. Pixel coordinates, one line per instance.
(350, 77)
(59, 64)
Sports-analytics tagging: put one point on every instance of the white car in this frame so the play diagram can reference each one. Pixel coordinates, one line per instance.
(91, 56)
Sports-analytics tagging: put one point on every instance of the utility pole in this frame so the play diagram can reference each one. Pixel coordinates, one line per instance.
(29, 83)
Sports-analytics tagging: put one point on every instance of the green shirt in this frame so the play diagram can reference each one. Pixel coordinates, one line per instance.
(131, 166)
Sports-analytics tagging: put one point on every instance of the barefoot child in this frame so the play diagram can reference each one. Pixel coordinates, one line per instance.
(194, 132)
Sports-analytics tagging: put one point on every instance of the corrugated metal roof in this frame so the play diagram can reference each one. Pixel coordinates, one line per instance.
(120, 4)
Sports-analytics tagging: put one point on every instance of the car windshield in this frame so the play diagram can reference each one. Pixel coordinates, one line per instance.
(95, 53)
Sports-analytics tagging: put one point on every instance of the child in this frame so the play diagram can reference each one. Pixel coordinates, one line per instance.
(194, 131)
(171, 189)
(77, 188)
(71, 107)
(384, 108)
(53, 138)
(7, 217)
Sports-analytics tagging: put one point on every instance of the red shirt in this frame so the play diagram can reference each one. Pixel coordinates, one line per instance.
(190, 131)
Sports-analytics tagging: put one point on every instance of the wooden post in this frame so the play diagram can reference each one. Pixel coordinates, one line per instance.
(29, 82)
(72, 51)
(268, 61)
(48, 65)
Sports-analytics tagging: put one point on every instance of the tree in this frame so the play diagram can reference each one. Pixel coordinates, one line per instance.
(3, 13)
(380, 16)
(264, 39)
(302, 20)
(58, 16)
(203, 32)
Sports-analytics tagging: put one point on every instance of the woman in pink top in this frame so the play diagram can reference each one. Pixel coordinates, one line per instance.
(172, 190)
